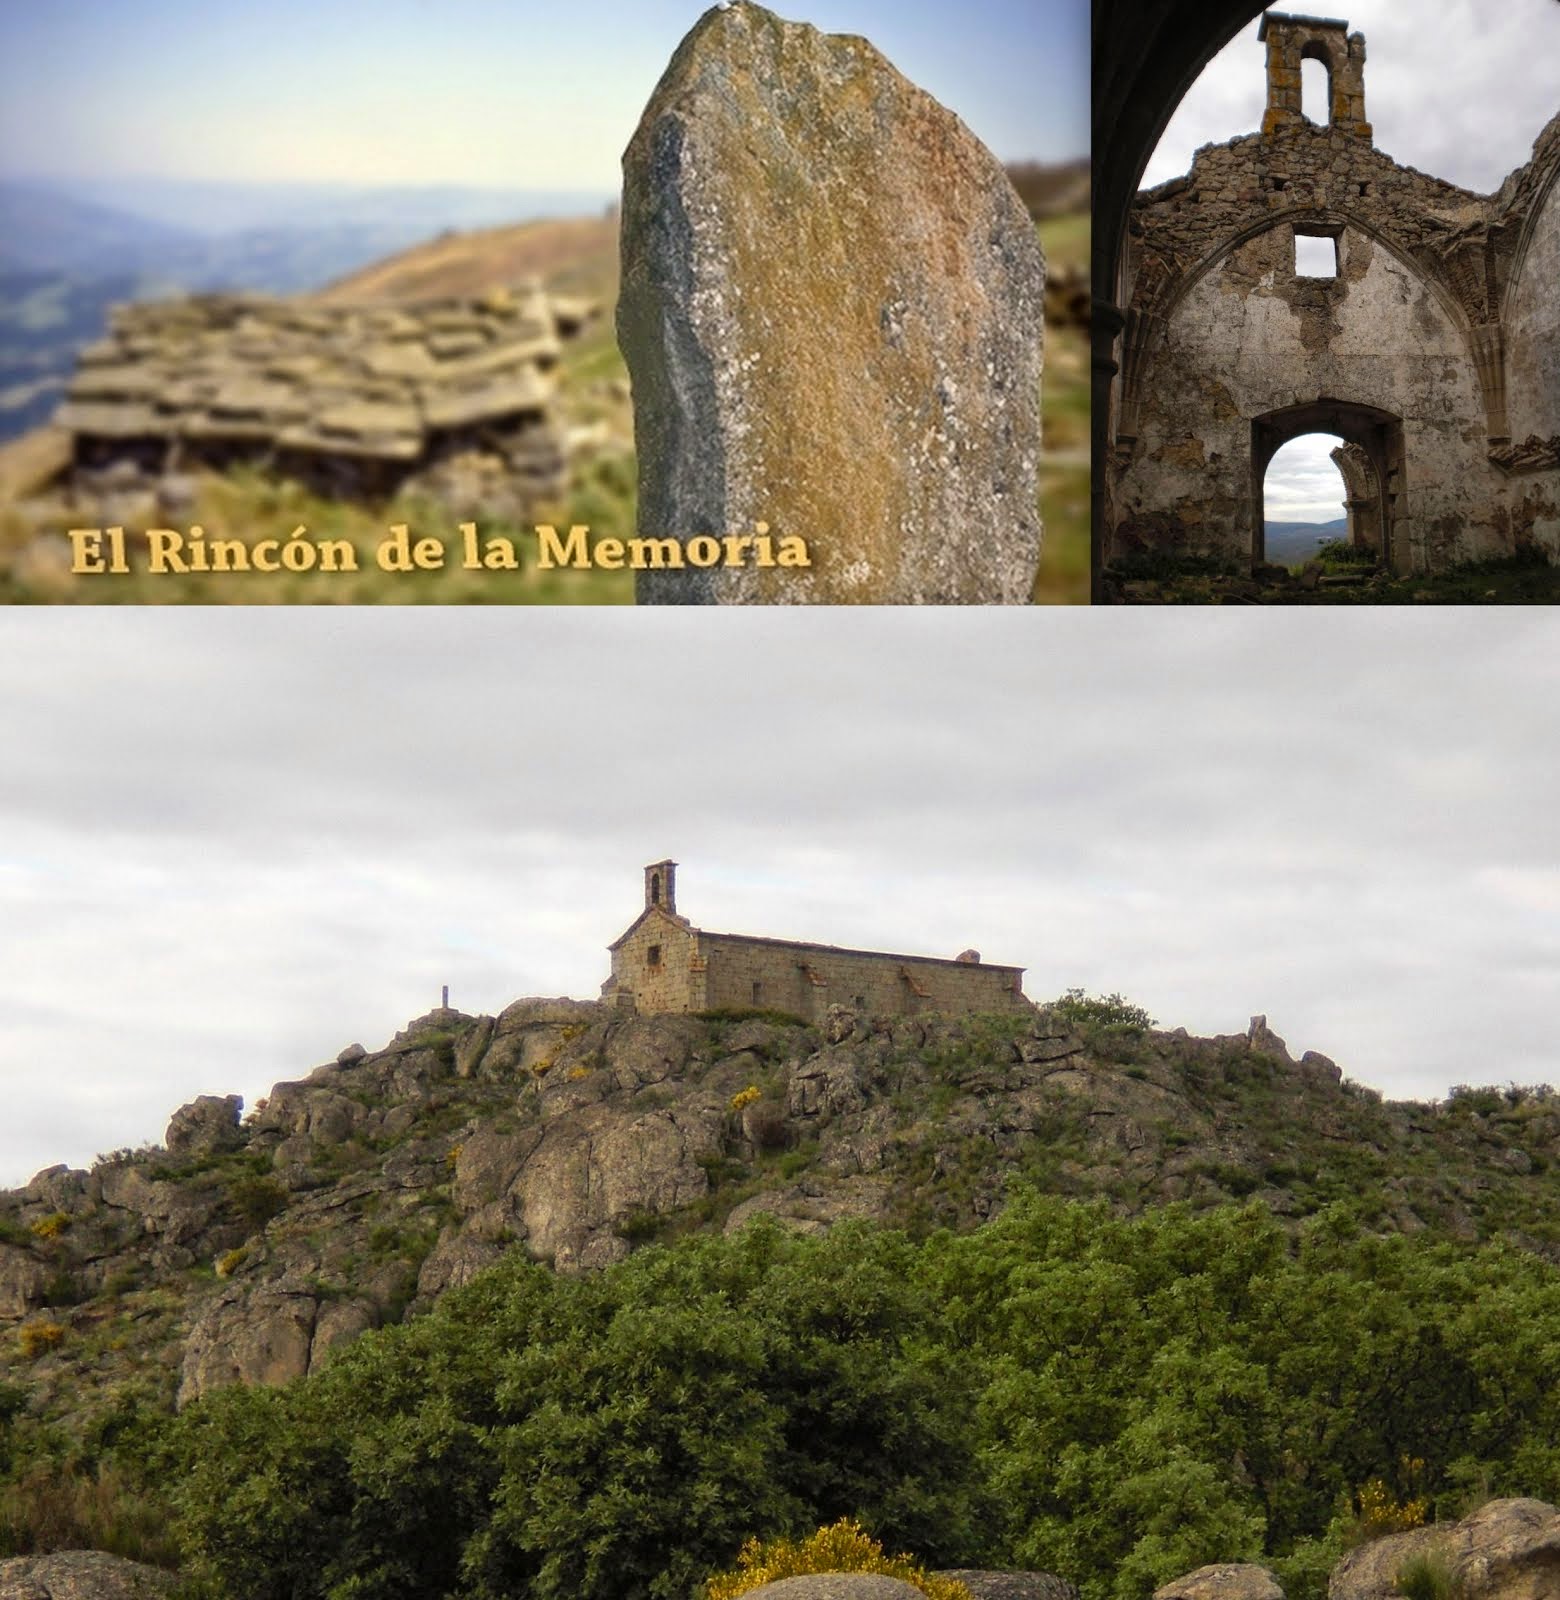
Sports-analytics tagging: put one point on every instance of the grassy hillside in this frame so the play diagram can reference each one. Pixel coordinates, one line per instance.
(1064, 406)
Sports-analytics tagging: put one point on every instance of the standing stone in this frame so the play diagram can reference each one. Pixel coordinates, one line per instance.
(831, 309)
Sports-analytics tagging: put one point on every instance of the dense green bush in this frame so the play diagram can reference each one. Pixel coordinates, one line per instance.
(1116, 1399)
(1106, 1012)
(615, 1435)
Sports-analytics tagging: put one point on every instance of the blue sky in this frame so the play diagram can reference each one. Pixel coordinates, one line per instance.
(504, 92)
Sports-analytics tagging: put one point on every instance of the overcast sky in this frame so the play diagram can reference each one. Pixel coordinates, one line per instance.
(1302, 483)
(525, 93)
(235, 842)
(1457, 88)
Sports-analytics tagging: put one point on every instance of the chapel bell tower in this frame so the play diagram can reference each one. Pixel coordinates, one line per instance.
(661, 886)
(1291, 40)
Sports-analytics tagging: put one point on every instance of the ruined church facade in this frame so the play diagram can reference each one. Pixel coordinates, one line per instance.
(1427, 337)
(663, 963)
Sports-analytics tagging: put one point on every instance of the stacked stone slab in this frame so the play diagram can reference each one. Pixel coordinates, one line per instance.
(356, 401)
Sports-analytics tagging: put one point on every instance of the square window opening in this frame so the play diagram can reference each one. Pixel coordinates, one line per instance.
(653, 956)
(1316, 255)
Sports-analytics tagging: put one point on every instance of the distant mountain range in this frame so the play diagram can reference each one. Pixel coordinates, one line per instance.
(282, 237)
(70, 251)
(1288, 543)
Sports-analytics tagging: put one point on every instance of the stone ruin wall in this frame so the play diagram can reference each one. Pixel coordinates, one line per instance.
(455, 398)
(1438, 316)
(886, 985)
(708, 971)
(1533, 386)
(672, 985)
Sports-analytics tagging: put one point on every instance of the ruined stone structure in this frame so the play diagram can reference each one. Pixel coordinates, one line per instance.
(663, 963)
(355, 401)
(832, 310)
(1429, 341)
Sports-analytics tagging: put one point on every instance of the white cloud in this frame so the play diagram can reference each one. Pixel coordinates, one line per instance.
(1302, 483)
(1459, 89)
(235, 842)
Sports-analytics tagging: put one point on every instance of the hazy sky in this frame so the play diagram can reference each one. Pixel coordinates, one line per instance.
(1457, 88)
(234, 842)
(517, 93)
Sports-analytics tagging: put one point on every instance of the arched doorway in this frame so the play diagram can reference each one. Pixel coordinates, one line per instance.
(1370, 462)
(1303, 499)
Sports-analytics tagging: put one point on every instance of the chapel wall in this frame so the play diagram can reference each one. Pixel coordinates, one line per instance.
(672, 984)
(870, 982)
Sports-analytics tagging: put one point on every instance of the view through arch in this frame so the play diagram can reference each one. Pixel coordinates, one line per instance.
(1303, 456)
(1303, 499)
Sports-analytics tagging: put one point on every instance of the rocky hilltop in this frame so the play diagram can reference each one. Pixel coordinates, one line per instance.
(249, 1248)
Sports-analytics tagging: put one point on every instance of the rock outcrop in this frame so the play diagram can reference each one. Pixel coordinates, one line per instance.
(1013, 1585)
(81, 1575)
(832, 311)
(253, 1251)
(1371, 1571)
(1506, 1550)
(206, 1125)
(1225, 1580)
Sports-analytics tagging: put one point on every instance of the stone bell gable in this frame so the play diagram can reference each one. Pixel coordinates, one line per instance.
(661, 962)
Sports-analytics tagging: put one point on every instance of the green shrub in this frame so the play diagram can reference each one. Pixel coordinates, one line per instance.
(1121, 1398)
(123, 1280)
(781, 1019)
(1427, 1576)
(639, 1226)
(255, 1200)
(1477, 1102)
(63, 1289)
(1338, 555)
(1106, 1013)
(794, 1162)
(54, 1507)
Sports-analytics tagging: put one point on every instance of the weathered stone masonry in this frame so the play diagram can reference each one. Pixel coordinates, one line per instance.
(664, 963)
(1434, 352)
